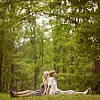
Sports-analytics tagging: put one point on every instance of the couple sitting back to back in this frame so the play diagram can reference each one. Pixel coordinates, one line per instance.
(48, 87)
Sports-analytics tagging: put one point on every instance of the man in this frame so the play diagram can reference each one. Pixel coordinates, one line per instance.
(52, 86)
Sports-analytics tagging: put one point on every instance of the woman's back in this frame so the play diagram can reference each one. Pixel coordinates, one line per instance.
(41, 90)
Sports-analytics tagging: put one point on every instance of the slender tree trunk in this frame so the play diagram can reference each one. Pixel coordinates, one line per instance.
(7, 87)
(97, 66)
(97, 62)
(55, 57)
(35, 57)
(42, 53)
(1, 60)
(55, 45)
(63, 59)
(12, 79)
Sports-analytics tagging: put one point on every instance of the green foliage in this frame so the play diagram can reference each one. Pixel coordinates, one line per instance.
(94, 82)
(79, 82)
(72, 81)
(65, 38)
(87, 39)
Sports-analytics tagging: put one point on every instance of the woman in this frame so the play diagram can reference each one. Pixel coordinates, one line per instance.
(45, 81)
(42, 91)
(52, 86)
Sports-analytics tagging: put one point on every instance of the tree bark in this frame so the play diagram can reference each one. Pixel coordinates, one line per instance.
(97, 66)
(1, 59)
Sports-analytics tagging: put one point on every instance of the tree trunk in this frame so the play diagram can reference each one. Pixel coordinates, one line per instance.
(12, 79)
(1, 59)
(55, 57)
(35, 57)
(36, 73)
(97, 66)
(64, 62)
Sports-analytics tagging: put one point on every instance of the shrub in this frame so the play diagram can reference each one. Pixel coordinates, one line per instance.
(79, 82)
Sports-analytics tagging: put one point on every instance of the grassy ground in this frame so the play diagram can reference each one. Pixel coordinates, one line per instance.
(53, 97)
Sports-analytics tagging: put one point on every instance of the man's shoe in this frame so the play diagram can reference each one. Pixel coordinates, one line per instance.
(11, 93)
(88, 91)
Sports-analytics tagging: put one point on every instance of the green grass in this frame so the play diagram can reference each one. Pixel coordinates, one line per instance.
(53, 97)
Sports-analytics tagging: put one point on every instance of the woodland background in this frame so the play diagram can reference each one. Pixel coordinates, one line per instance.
(40, 35)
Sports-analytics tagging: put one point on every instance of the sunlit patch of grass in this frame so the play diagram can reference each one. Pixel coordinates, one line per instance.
(52, 97)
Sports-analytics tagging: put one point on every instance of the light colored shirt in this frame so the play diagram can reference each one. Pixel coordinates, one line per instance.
(52, 82)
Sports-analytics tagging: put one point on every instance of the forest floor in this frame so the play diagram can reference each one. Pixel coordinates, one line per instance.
(52, 97)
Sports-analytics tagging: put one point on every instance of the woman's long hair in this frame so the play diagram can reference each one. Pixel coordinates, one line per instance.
(45, 75)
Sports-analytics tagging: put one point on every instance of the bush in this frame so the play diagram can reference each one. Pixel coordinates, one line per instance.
(79, 82)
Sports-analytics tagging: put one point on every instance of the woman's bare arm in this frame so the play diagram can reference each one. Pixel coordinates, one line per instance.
(48, 90)
(45, 87)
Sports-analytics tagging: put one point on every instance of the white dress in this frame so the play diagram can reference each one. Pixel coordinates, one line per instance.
(54, 90)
